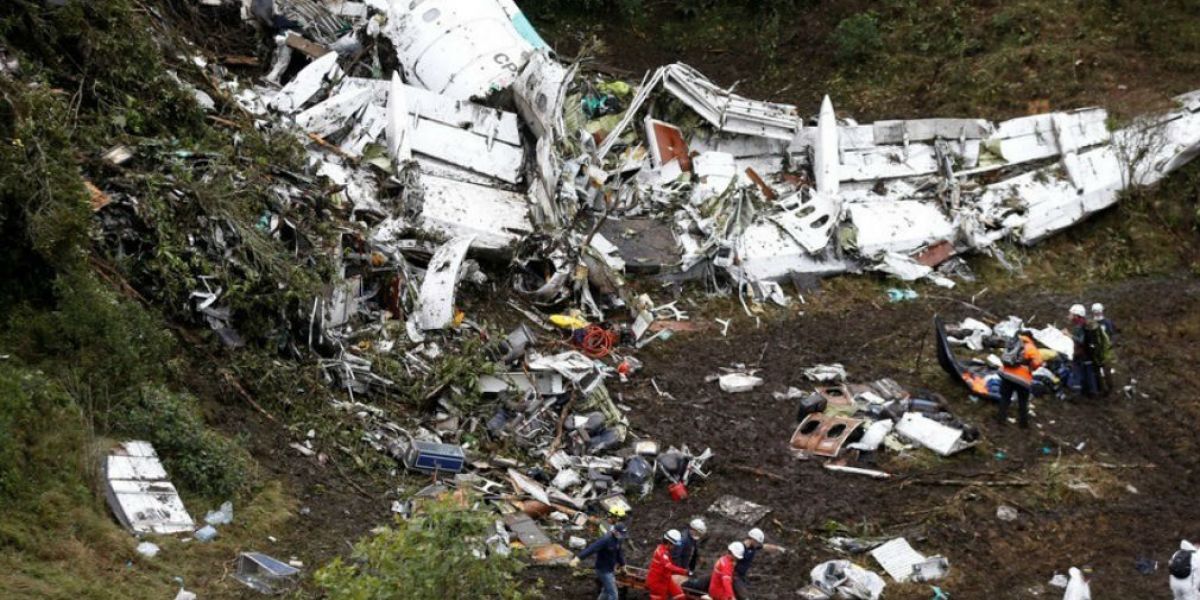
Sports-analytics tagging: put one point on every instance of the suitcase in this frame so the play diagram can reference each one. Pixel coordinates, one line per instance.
(432, 457)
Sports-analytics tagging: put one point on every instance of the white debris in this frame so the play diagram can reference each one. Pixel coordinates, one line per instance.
(942, 439)
(733, 383)
(436, 303)
(139, 493)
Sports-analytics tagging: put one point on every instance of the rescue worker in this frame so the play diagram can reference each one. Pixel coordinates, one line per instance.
(616, 514)
(1105, 358)
(609, 556)
(659, 580)
(1105, 322)
(1021, 358)
(687, 553)
(1083, 361)
(1184, 569)
(720, 585)
(1078, 587)
(754, 542)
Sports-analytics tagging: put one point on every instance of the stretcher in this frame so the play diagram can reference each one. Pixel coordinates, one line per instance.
(634, 578)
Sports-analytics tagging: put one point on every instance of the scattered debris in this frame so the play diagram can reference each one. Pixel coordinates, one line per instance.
(264, 574)
(739, 510)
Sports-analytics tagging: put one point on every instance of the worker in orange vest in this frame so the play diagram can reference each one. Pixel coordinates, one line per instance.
(1021, 358)
(659, 580)
(720, 586)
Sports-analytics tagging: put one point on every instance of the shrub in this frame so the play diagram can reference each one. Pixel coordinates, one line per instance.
(857, 38)
(440, 553)
(200, 459)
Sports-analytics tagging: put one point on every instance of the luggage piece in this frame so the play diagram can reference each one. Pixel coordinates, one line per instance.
(432, 457)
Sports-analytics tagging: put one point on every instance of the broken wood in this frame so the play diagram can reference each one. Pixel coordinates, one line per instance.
(308, 47)
(758, 471)
(237, 386)
(331, 147)
(241, 61)
(767, 190)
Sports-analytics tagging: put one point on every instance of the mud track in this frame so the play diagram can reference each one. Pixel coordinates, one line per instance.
(1160, 327)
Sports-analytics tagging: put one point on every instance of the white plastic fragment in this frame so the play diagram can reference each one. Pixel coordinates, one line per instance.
(436, 304)
(734, 383)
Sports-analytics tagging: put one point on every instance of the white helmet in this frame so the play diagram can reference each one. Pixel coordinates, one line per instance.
(698, 525)
(757, 535)
(1097, 309)
(673, 536)
(1077, 310)
(995, 361)
(737, 550)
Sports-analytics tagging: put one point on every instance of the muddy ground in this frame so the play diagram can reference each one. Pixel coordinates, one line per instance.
(1140, 509)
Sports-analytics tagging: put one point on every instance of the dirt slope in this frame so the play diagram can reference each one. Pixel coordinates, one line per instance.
(1057, 528)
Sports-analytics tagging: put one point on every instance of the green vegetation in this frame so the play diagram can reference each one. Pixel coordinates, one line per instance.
(439, 553)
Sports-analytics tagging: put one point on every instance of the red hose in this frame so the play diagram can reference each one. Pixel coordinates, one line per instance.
(597, 341)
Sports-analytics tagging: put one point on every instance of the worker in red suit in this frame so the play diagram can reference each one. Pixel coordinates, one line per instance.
(658, 578)
(720, 587)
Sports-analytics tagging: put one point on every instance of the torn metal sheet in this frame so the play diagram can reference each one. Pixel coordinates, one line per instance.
(540, 94)
(529, 486)
(307, 84)
(399, 140)
(460, 48)
(1053, 338)
(545, 384)
(927, 130)
(495, 217)
(436, 304)
(727, 111)
(667, 144)
(808, 221)
(902, 226)
(139, 493)
(739, 510)
(940, 438)
(338, 113)
(765, 252)
(646, 245)
(823, 435)
(1036, 137)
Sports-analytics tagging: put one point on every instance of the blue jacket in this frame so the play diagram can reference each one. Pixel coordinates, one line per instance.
(687, 552)
(743, 566)
(608, 553)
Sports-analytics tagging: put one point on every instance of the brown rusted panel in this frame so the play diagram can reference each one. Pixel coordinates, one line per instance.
(936, 254)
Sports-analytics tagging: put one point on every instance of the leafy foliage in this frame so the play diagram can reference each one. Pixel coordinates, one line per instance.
(439, 553)
(858, 38)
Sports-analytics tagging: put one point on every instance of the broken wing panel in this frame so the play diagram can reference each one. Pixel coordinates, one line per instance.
(496, 218)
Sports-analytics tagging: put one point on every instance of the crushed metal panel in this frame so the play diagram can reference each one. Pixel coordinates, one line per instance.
(925, 130)
(940, 438)
(468, 150)
(646, 245)
(739, 510)
(306, 84)
(543, 383)
(399, 124)
(139, 493)
(727, 111)
(496, 218)
(540, 93)
(436, 304)
(810, 221)
(1042, 136)
(892, 162)
(823, 435)
(337, 113)
(265, 574)
(460, 48)
(766, 253)
(902, 227)
(666, 144)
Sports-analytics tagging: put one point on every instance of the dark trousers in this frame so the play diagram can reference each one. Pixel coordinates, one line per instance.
(1007, 390)
(741, 589)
